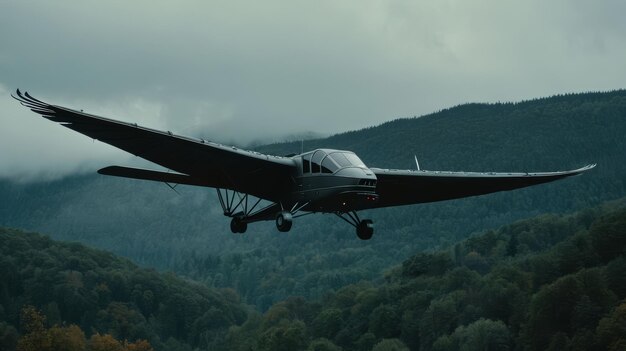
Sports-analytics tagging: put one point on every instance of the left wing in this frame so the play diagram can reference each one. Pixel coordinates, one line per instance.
(196, 161)
(396, 187)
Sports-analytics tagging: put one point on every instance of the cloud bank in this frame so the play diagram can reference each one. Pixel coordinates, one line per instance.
(237, 71)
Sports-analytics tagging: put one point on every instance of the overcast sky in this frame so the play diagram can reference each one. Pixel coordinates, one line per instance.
(262, 70)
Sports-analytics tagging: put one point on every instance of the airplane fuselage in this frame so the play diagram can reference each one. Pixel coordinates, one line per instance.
(328, 181)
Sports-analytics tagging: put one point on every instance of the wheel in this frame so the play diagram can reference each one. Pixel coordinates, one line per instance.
(237, 225)
(284, 220)
(365, 229)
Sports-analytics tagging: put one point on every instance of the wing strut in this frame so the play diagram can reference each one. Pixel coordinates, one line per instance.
(227, 200)
(173, 187)
(351, 218)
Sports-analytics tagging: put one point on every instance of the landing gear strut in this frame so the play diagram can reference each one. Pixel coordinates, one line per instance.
(364, 228)
(235, 205)
(228, 200)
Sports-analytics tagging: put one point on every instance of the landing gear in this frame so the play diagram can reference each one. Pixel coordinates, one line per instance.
(284, 220)
(364, 228)
(237, 225)
(240, 219)
(235, 205)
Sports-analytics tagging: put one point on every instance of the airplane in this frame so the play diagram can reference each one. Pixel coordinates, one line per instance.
(318, 181)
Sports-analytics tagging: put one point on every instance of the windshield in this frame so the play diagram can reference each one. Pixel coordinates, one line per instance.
(347, 159)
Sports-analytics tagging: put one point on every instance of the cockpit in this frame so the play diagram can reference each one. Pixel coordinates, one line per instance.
(329, 161)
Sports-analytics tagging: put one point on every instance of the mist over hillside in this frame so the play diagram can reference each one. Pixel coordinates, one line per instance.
(187, 233)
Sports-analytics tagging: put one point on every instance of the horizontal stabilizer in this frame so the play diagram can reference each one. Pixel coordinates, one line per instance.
(146, 174)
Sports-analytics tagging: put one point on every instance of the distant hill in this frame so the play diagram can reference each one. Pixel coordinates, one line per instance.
(155, 227)
(101, 293)
(553, 282)
(547, 283)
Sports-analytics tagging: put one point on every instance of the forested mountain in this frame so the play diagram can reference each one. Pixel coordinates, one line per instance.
(186, 233)
(100, 293)
(554, 282)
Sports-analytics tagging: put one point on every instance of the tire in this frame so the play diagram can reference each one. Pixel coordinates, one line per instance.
(365, 229)
(284, 220)
(238, 226)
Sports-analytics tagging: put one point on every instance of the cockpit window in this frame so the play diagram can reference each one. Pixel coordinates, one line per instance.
(316, 161)
(341, 159)
(347, 159)
(355, 160)
(321, 162)
(328, 166)
(306, 163)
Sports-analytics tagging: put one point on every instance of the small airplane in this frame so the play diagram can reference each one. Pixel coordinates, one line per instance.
(318, 181)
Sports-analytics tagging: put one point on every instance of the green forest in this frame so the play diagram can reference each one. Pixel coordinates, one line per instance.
(187, 234)
(546, 283)
(438, 276)
(96, 291)
(553, 282)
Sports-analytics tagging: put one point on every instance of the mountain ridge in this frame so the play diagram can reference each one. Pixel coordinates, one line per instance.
(187, 234)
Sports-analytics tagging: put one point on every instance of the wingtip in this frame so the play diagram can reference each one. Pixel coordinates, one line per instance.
(590, 166)
(18, 93)
(107, 170)
(27, 100)
(584, 168)
(32, 98)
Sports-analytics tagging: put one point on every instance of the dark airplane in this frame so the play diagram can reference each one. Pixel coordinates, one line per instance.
(322, 180)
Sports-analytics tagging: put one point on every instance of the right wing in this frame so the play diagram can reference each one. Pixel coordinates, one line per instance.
(396, 187)
(197, 161)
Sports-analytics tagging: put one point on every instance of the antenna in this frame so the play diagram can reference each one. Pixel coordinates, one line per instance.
(417, 163)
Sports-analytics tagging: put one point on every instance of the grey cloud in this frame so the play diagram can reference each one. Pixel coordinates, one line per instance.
(243, 71)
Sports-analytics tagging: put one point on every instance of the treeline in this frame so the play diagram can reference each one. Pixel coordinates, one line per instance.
(547, 283)
(38, 337)
(552, 282)
(105, 296)
(187, 234)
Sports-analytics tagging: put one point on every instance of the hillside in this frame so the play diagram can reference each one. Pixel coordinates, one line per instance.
(101, 293)
(187, 234)
(545, 283)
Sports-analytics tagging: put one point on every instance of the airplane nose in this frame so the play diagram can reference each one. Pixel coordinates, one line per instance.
(356, 172)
